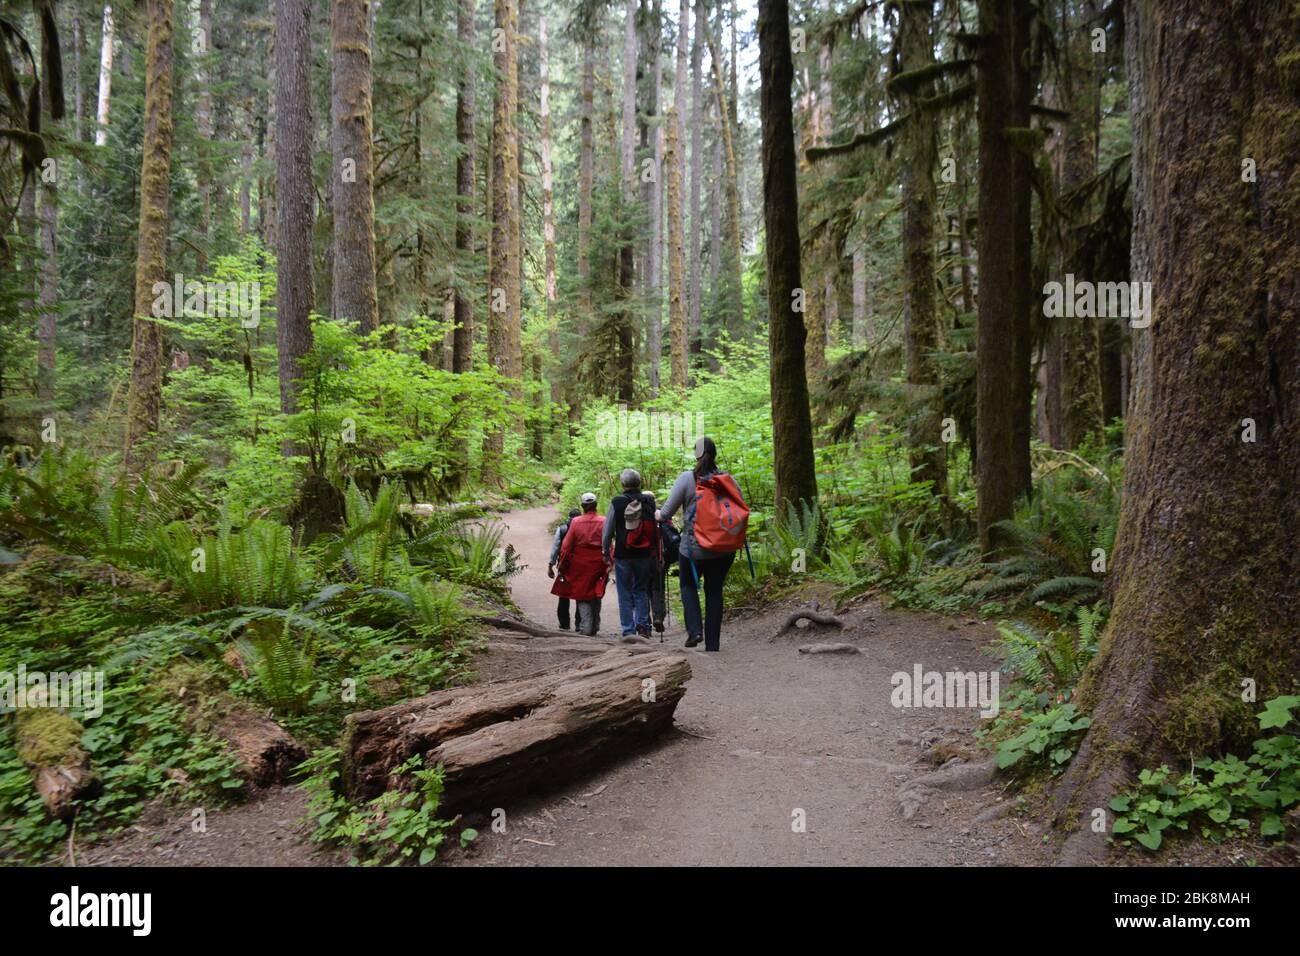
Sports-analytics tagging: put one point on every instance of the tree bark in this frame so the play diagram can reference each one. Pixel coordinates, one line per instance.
(355, 292)
(920, 315)
(463, 336)
(548, 212)
(79, 88)
(998, 351)
(503, 269)
(795, 471)
(1208, 593)
(693, 311)
(105, 77)
(586, 171)
(628, 193)
(47, 301)
(734, 301)
(295, 198)
(1080, 338)
(652, 196)
(676, 251)
(144, 397)
(203, 122)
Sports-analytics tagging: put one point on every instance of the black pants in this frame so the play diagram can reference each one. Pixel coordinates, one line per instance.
(562, 612)
(713, 575)
(659, 598)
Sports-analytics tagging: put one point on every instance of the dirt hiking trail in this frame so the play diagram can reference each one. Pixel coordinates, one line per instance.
(767, 736)
(765, 739)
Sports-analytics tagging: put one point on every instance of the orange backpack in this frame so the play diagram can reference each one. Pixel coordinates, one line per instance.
(721, 515)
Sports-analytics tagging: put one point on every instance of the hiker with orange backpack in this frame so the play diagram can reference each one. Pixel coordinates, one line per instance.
(631, 544)
(714, 530)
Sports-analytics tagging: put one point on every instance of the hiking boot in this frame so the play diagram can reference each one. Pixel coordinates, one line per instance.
(693, 640)
(643, 632)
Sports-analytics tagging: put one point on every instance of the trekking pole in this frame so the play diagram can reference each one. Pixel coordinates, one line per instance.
(750, 557)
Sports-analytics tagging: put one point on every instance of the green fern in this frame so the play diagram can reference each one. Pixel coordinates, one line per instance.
(284, 668)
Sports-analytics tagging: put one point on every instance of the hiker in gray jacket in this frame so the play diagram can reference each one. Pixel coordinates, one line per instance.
(698, 567)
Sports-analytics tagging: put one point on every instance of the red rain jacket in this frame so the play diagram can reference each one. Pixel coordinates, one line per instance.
(581, 570)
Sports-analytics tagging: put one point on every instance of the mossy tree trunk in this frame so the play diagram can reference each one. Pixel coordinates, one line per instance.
(676, 251)
(145, 394)
(548, 209)
(1207, 562)
(1080, 340)
(796, 476)
(1002, 350)
(355, 292)
(920, 315)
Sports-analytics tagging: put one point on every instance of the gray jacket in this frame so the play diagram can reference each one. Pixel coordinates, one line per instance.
(559, 540)
(683, 496)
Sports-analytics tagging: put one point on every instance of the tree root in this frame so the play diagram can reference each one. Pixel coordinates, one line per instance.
(812, 614)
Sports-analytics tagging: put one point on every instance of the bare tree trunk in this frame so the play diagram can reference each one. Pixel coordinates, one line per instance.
(246, 174)
(295, 198)
(105, 77)
(463, 334)
(79, 88)
(586, 170)
(203, 121)
(355, 291)
(48, 300)
(674, 172)
(693, 313)
(860, 295)
(652, 195)
(503, 269)
(735, 297)
(627, 171)
(796, 477)
(145, 393)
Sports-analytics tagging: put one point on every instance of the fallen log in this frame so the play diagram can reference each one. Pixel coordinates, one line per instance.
(49, 742)
(267, 753)
(503, 622)
(507, 739)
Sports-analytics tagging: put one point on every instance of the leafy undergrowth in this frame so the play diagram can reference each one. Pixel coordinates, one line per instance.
(1223, 798)
(400, 826)
(189, 612)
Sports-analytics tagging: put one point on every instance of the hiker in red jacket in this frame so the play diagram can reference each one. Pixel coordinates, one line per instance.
(582, 571)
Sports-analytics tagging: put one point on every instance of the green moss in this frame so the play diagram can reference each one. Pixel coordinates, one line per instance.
(49, 738)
